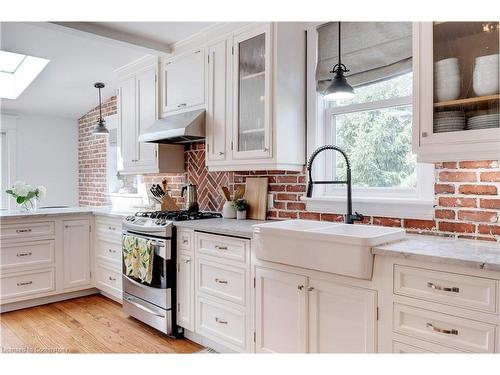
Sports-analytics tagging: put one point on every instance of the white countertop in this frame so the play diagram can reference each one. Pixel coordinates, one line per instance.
(104, 210)
(230, 227)
(468, 253)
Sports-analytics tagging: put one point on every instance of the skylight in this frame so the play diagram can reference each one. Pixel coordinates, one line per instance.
(17, 72)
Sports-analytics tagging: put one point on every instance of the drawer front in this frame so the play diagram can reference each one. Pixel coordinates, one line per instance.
(221, 321)
(464, 334)
(220, 280)
(27, 283)
(222, 246)
(108, 280)
(27, 230)
(27, 254)
(420, 347)
(185, 240)
(109, 251)
(109, 229)
(468, 292)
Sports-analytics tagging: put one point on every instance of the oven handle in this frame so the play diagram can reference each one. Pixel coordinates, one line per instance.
(156, 241)
(144, 308)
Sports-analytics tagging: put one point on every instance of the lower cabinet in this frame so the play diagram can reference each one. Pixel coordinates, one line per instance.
(297, 314)
(76, 253)
(185, 291)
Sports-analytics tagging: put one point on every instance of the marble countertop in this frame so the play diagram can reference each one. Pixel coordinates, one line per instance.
(104, 210)
(468, 253)
(231, 227)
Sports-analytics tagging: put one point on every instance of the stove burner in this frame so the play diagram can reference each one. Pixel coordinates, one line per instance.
(179, 215)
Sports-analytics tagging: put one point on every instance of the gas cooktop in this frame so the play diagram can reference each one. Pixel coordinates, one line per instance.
(179, 215)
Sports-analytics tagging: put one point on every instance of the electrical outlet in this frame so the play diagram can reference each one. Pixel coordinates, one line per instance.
(270, 201)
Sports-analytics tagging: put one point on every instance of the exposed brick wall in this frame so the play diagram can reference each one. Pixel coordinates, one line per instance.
(92, 184)
(467, 196)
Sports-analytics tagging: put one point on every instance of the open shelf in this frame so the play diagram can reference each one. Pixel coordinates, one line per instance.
(467, 101)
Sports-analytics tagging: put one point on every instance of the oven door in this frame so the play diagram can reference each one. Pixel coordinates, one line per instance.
(158, 291)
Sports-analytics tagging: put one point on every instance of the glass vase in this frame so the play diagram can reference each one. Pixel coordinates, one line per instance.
(30, 205)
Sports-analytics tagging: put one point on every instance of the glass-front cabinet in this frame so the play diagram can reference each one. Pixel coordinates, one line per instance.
(458, 92)
(251, 116)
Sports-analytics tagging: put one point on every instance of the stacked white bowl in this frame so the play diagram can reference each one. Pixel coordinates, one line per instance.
(485, 78)
(447, 79)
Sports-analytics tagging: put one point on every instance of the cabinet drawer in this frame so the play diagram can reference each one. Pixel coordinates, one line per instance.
(460, 333)
(222, 246)
(108, 280)
(185, 240)
(420, 348)
(27, 283)
(468, 292)
(27, 254)
(224, 322)
(109, 229)
(220, 280)
(27, 230)
(109, 251)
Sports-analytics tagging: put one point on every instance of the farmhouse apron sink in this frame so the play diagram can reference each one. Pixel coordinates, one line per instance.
(343, 249)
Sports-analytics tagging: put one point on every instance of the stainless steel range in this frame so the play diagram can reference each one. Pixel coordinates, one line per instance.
(152, 302)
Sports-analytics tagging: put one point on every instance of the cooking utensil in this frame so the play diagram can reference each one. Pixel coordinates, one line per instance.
(225, 192)
(238, 194)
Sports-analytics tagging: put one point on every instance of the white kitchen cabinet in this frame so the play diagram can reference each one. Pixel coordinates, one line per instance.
(183, 82)
(218, 116)
(76, 253)
(433, 96)
(261, 101)
(342, 318)
(127, 129)
(185, 291)
(281, 312)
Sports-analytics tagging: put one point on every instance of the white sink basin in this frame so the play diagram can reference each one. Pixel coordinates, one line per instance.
(344, 249)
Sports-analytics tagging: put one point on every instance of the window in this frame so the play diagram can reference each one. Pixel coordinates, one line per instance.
(374, 128)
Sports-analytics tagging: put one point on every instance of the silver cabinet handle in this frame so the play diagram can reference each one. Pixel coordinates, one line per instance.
(112, 251)
(217, 247)
(221, 153)
(181, 105)
(221, 281)
(424, 134)
(111, 278)
(23, 230)
(300, 287)
(441, 330)
(185, 241)
(27, 254)
(221, 321)
(453, 289)
(187, 260)
(25, 283)
(112, 228)
(266, 149)
(310, 289)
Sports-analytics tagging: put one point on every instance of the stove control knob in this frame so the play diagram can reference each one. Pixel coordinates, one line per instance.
(158, 222)
(164, 222)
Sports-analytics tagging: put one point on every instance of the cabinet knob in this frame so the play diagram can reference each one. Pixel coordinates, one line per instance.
(300, 287)
(266, 149)
(221, 153)
(310, 289)
(187, 260)
(181, 105)
(424, 134)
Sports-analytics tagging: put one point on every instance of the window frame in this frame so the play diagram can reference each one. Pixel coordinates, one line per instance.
(415, 203)
(8, 126)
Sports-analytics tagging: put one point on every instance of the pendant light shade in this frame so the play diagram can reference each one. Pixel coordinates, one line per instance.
(339, 88)
(101, 124)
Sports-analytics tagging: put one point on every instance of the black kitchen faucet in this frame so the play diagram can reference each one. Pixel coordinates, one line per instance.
(349, 217)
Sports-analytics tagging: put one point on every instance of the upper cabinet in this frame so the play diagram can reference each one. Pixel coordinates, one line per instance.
(456, 91)
(256, 99)
(138, 110)
(183, 82)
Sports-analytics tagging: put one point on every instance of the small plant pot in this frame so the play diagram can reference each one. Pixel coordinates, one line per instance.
(241, 215)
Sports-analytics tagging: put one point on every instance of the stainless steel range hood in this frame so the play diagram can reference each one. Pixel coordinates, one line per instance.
(186, 127)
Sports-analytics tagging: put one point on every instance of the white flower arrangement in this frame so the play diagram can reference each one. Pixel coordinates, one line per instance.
(26, 195)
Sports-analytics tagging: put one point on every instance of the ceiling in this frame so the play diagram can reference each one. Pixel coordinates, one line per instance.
(65, 87)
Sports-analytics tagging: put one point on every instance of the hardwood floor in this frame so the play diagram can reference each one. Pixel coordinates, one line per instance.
(93, 324)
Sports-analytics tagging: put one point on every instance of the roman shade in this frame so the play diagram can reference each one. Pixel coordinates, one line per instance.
(372, 51)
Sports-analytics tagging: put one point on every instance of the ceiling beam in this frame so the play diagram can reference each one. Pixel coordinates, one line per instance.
(99, 32)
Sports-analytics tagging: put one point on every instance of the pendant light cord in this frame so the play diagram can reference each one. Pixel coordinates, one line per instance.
(100, 113)
(340, 54)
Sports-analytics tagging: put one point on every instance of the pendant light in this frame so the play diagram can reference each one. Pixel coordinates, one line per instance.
(339, 89)
(101, 124)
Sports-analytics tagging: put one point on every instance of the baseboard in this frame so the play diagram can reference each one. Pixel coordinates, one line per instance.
(110, 296)
(45, 300)
(203, 341)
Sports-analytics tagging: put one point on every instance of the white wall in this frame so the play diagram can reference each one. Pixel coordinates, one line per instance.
(47, 154)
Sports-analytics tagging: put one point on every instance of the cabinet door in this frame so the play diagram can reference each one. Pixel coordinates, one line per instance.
(252, 94)
(146, 116)
(76, 253)
(457, 90)
(342, 319)
(183, 83)
(185, 292)
(217, 116)
(281, 312)
(127, 127)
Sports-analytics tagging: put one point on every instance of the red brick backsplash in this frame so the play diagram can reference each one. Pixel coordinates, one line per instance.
(92, 150)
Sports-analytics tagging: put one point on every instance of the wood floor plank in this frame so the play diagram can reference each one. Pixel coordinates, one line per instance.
(92, 324)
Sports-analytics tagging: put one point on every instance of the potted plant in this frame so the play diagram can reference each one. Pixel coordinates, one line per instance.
(240, 205)
(26, 195)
